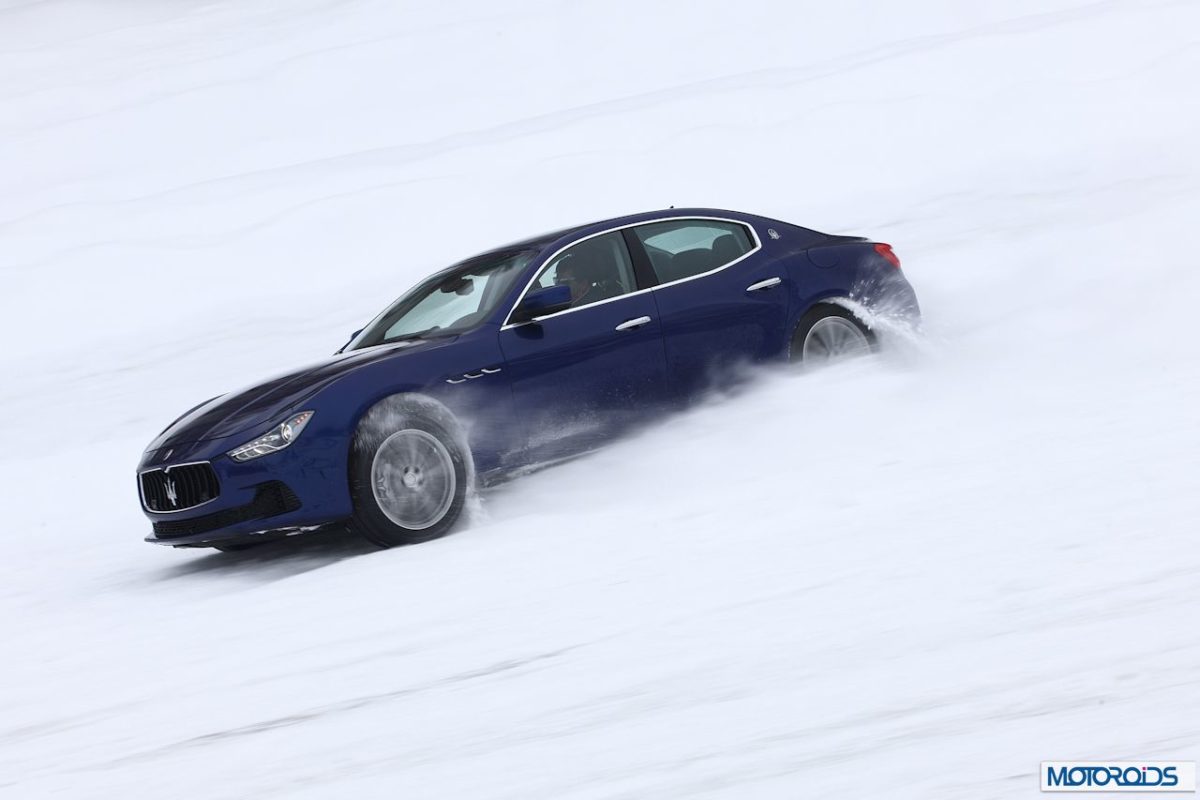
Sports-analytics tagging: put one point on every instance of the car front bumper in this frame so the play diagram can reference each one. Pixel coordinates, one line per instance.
(295, 490)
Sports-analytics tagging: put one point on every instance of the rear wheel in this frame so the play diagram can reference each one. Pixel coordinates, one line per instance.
(408, 477)
(829, 333)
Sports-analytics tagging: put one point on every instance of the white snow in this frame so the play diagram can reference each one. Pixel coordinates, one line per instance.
(915, 576)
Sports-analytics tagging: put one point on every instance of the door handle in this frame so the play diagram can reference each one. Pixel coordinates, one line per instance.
(630, 324)
(767, 284)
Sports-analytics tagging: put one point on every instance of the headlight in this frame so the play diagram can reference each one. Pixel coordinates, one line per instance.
(274, 440)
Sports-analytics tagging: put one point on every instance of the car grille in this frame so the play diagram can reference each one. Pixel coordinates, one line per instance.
(178, 488)
(270, 499)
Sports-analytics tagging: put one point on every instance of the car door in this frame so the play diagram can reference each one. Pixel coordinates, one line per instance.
(581, 375)
(723, 302)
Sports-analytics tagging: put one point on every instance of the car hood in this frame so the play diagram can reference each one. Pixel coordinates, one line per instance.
(252, 409)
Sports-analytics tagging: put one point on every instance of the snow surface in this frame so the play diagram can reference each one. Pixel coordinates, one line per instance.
(914, 576)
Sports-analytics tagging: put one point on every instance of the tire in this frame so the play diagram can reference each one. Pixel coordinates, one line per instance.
(408, 473)
(828, 333)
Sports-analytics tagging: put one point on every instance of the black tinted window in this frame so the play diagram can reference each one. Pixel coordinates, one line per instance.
(683, 248)
(595, 269)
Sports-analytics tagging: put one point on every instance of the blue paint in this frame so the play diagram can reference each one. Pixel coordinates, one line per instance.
(552, 388)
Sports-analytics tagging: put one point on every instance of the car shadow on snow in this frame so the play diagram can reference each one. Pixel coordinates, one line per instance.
(280, 558)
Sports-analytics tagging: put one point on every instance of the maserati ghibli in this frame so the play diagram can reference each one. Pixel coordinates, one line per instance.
(517, 357)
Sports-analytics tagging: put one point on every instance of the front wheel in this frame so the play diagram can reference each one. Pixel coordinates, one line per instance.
(408, 478)
(829, 333)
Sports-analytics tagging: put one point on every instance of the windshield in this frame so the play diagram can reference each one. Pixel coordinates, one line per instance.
(452, 301)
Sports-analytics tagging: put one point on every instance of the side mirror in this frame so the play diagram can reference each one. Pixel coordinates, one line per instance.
(541, 302)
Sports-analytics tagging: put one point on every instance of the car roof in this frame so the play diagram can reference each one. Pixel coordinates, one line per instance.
(644, 216)
(539, 241)
(565, 235)
(665, 213)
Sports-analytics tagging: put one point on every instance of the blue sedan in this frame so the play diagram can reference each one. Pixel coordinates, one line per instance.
(520, 356)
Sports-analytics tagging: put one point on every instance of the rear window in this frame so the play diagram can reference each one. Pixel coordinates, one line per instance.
(684, 248)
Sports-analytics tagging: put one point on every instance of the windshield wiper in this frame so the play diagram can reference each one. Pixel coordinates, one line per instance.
(417, 336)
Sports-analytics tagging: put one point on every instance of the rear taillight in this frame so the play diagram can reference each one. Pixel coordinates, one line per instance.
(885, 250)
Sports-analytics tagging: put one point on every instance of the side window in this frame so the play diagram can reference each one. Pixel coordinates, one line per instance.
(683, 248)
(596, 269)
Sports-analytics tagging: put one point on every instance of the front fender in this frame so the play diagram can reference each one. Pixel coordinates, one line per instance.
(480, 406)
